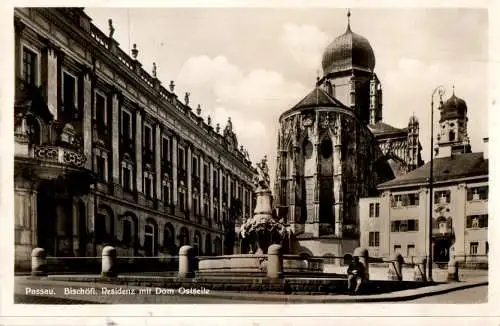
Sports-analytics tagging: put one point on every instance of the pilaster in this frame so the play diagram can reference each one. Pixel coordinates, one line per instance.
(174, 170)
(52, 80)
(115, 138)
(211, 203)
(190, 180)
(87, 119)
(138, 151)
(202, 188)
(158, 176)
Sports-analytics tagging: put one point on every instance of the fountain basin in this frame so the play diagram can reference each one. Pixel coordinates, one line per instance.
(256, 265)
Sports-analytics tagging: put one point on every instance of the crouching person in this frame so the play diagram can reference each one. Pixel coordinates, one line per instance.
(355, 276)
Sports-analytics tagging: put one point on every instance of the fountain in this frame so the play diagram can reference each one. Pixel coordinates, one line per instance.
(257, 233)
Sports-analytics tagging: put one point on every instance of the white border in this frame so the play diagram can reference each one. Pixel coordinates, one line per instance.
(486, 314)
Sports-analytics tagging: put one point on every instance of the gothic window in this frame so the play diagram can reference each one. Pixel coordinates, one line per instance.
(326, 148)
(308, 149)
(30, 66)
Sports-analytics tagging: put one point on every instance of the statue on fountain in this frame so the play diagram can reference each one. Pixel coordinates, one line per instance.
(262, 230)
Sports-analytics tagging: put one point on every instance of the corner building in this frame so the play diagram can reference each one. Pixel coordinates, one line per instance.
(398, 219)
(104, 154)
(334, 148)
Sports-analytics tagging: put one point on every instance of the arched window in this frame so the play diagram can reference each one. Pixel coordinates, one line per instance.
(208, 245)
(34, 130)
(452, 136)
(169, 239)
(197, 243)
(127, 232)
(150, 239)
(183, 237)
(308, 149)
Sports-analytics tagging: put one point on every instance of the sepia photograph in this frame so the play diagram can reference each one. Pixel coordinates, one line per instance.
(266, 155)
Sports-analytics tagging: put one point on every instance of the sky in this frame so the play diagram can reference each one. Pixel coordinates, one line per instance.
(252, 64)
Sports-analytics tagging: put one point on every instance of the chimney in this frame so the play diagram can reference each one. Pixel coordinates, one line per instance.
(485, 150)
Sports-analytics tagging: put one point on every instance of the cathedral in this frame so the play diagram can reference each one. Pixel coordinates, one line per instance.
(334, 148)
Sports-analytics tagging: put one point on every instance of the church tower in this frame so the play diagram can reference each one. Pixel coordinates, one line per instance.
(414, 159)
(452, 135)
(348, 64)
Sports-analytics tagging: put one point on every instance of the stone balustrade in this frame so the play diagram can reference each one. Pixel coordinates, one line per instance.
(60, 155)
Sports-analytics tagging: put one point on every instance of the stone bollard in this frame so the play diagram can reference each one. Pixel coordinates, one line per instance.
(419, 272)
(274, 261)
(395, 272)
(362, 254)
(186, 262)
(452, 270)
(38, 262)
(109, 262)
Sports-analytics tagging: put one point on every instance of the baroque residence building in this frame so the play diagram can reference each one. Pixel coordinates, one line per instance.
(334, 148)
(397, 220)
(104, 154)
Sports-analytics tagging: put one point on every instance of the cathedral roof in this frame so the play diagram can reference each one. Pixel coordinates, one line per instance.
(316, 98)
(453, 108)
(445, 169)
(348, 51)
(381, 128)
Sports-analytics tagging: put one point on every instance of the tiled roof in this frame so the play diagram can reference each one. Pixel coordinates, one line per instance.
(445, 169)
(382, 128)
(317, 97)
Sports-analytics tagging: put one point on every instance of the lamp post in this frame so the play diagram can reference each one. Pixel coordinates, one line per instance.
(440, 90)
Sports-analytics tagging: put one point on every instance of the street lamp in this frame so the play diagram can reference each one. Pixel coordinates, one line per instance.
(440, 90)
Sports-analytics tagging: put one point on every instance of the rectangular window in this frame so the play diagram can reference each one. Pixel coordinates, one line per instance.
(377, 210)
(126, 129)
(410, 199)
(148, 137)
(411, 250)
(442, 197)
(205, 209)
(206, 173)
(100, 114)
(374, 239)
(127, 178)
(486, 247)
(100, 228)
(30, 66)
(69, 92)
(148, 187)
(477, 221)
(180, 159)
(181, 201)
(101, 167)
(477, 193)
(474, 248)
(404, 225)
(165, 149)
(216, 180)
(194, 164)
(166, 194)
(195, 206)
(397, 248)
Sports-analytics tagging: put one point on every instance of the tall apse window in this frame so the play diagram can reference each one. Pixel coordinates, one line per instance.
(326, 148)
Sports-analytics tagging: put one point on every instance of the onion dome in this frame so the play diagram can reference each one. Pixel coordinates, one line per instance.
(348, 51)
(453, 108)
